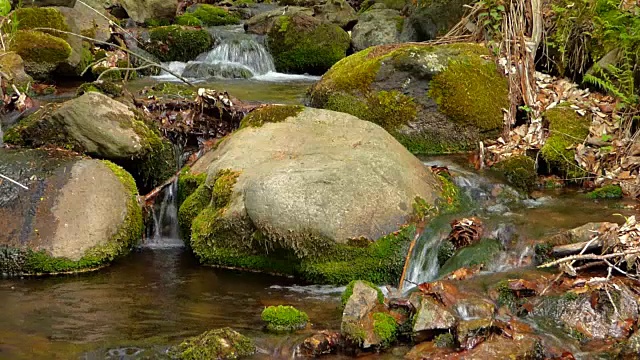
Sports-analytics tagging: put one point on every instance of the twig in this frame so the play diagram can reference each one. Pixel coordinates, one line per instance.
(127, 69)
(588, 257)
(13, 181)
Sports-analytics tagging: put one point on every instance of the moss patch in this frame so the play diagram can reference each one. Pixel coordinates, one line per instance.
(567, 129)
(520, 171)
(284, 318)
(41, 52)
(302, 44)
(188, 183)
(480, 253)
(127, 236)
(606, 192)
(41, 17)
(270, 114)
(207, 15)
(178, 43)
(385, 328)
(215, 344)
(346, 294)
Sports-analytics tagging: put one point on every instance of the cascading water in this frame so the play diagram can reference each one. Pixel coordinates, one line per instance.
(242, 50)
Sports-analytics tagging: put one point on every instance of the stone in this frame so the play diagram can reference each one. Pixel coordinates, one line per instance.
(377, 27)
(337, 12)
(362, 300)
(87, 22)
(435, 19)
(177, 43)
(201, 70)
(42, 53)
(364, 319)
(305, 181)
(77, 214)
(472, 332)
(45, 3)
(262, 23)
(13, 65)
(433, 99)
(322, 343)
(431, 318)
(221, 344)
(143, 10)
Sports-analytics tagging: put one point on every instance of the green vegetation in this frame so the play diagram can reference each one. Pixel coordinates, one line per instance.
(5, 7)
(476, 254)
(385, 328)
(188, 183)
(270, 114)
(284, 318)
(214, 344)
(349, 291)
(207, 15)
(606, 192)
(41, 17)
(446, 250)
(506, 297)
(41, 52)
(520, 171)
(178, 43)
(301, 44)
(567, 129)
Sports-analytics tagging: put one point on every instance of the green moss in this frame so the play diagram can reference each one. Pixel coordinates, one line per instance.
(104, 87)
(284, 318)
(41, 17)
(41, 52)
(215, 344)
(606, 192)
(159, 22)
(472, 91)
(348, 291)
(177, 43)
(302, 44)
(445, 341)
(543, 253)
(355, 333)
(451, 200)
(270, 114)
(446, 250)
(506, 297)
(121, 242)
(170, 90)
(193, 205)
(520, 171)
(566, 129)
(207, 15)
(385, 327)
(480, 253)
(188, 183)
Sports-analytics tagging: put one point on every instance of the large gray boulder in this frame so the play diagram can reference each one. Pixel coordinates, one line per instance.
(262, 23)
(337, 12)
(85, 21)
(377, 26)
(76, 215)
(306, 180)
(141, 10)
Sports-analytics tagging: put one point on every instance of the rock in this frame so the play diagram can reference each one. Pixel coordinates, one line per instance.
(322, 343)
(42, 53)
(399, 5)
(497, 348)
(591, 315)
(11, 64)
(262, 23)
(365, 322)
(284, 318)
(377, 27)
(359, 298)
(222, 344)
(631, 348)
(222, 70)
(435, 18)
(433, 99)
(302, 44)
(86, 21)
(207, 15)
(77, 214)
(277, 184)
(520, 171)
(566, 129)
(472, 332)
(431, 318)
(481, 253)
(337, 12)
(95, 124)
(44, 3)
(143, 10)
(177, 43)
(471, 308)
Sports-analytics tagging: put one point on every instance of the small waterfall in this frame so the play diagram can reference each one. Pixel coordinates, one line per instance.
(423, 265)
(242, 50)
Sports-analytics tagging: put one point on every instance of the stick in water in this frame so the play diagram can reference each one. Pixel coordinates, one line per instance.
(13, 181)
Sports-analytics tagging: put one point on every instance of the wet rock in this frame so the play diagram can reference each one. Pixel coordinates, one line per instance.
(363, 321)
(220, 344)
(497, 347)
(430, 351)
(76, 215)
(386, 85)
(470, 333)
(376, 27)
(102, 127)
(142, 10)
(361, 297)
(12, 65)
(471, 307)
(262, 23)
(225, 71)
(323, 343)
(431, 318)
(284, 318)
(282, 182)
(480, 253)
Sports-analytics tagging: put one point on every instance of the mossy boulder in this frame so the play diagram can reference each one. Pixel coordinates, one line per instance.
(36, 17)
(303, 44)
(520, 171)
(318, 194)
(567, 129)
(430, 19)
(606, 192)
(12, 64)
(365, 322)
(284, 318)
(76, 215)
(377, 27)
(143, 10)
(262, 23)
(433, 99)
(42, 53)
(207, 15)
(99, 126)
(221, 344)
(178, 43)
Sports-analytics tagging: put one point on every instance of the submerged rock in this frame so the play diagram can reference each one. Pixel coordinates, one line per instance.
(322, 343)
(377, 27)
(101, 127)
(221, 344)
(284, 318)
(221, 70)
(433, 99)
(310, 192)
(77, 214)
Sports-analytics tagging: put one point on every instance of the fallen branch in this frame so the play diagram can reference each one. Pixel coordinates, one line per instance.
(13, 181)
(577, 248)
(588, 257)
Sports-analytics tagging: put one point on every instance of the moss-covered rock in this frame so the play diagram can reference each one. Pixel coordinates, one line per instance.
(462, 103)
(302, 44)
(433, 18)
(12, 65)
(384, 327)
(222, 344)
(377, 27)
(64, 223)
(566, 130)
(348, 291)
(178, 43)
(262, 23)
(42, 53)
(480, 253)
(270, 113)
(207, 15)
(104, 87)
(520, 171)
(284, 318)
(606, 192)
(41, 17)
